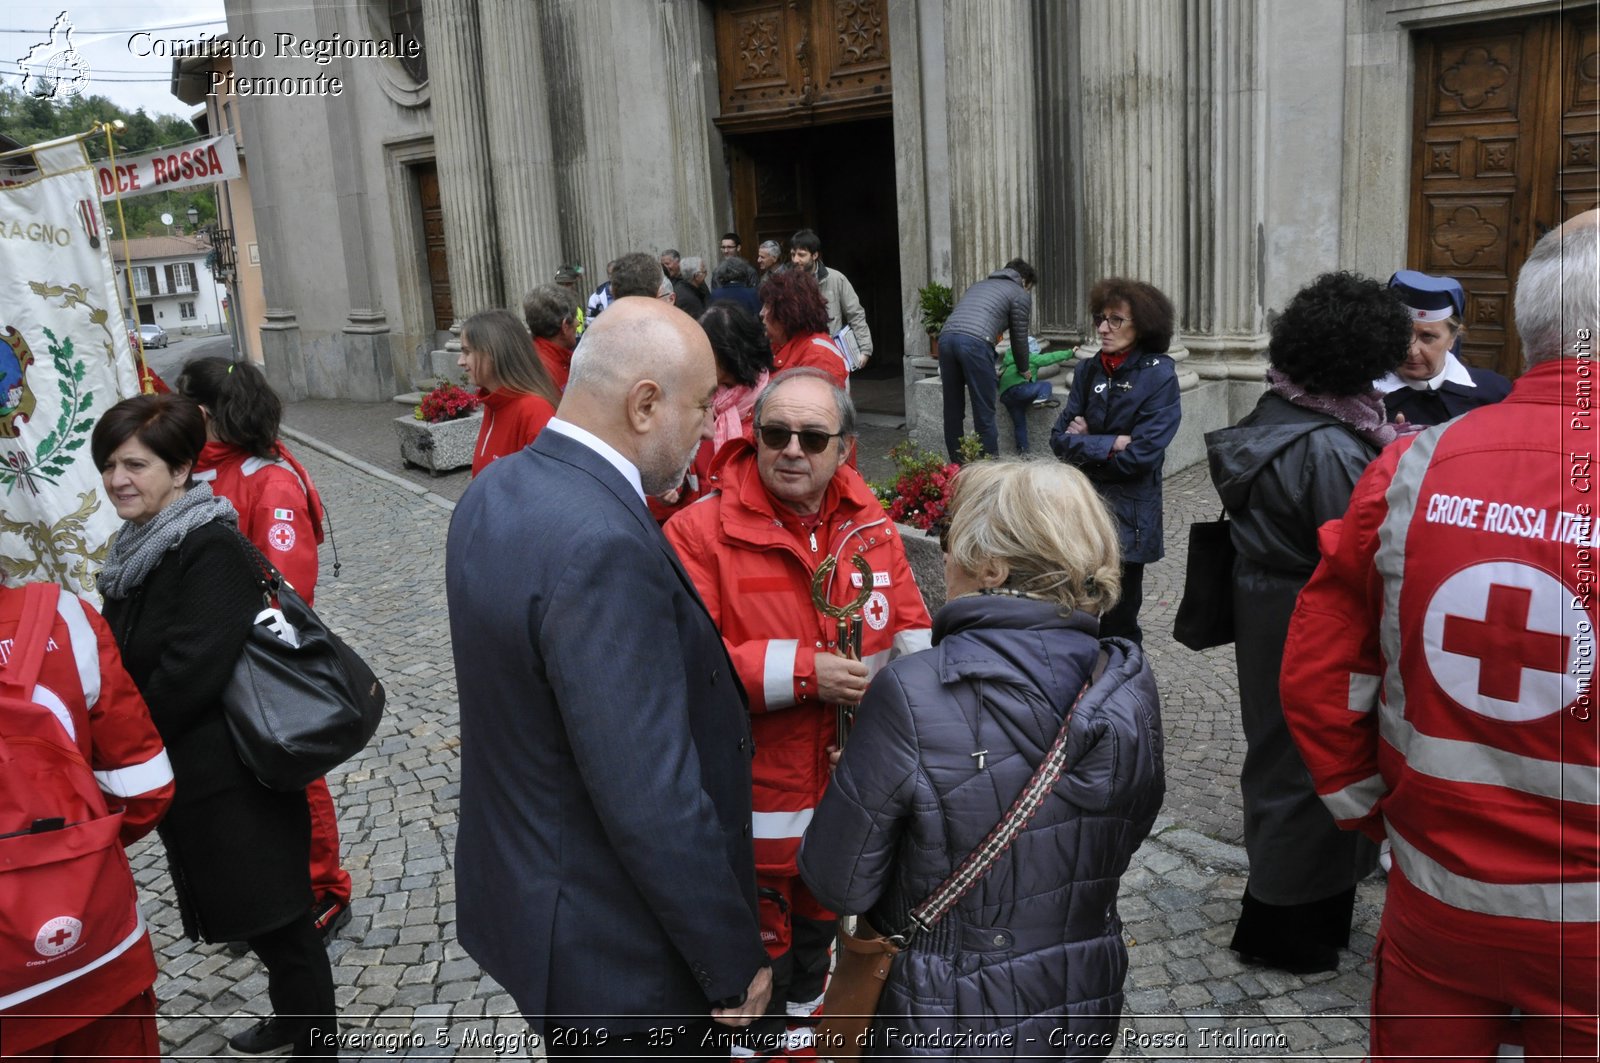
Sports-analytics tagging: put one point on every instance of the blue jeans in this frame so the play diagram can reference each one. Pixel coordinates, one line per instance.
(1019, 399)
(966, 365)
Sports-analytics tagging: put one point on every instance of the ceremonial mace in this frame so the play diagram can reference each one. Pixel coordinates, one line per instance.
(847, 619)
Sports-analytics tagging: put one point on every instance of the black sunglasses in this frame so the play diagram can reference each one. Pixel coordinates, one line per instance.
(777, 436)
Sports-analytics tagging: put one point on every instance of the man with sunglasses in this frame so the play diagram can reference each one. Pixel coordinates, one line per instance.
(782, 503)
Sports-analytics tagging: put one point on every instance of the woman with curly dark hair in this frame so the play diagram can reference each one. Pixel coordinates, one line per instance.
(1121, 413)
(1282, 472)
(796, 316)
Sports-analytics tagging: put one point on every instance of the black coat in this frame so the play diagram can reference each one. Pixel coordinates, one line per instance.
(1036, 948)
(1283, 472)
(239, 853)
(604, 864)
(1140, 400)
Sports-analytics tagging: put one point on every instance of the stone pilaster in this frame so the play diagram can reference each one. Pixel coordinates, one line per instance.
(369, 357)
(466, 192)
(993, 158)
(521, 163)
(1223, 315)
(283, 359)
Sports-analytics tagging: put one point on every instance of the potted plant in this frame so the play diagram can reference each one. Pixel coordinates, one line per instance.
(917, 500)
(936, 302)
(442, 430)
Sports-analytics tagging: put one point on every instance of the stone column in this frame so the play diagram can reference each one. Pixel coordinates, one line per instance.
(1223, 314)
(1135, 159)
(466, 192)
(521, 161)
(993, 160)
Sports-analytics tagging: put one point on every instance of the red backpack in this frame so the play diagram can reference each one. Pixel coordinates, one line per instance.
(68, 903)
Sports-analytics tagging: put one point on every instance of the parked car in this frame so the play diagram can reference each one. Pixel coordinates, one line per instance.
(153, 335)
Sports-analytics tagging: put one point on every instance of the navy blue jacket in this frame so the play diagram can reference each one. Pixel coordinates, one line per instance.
(1140, 400)
(1451, 400)
(603, 863)
(1036, 947)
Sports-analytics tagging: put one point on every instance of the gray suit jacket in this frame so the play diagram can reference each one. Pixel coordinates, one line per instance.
(603, 862)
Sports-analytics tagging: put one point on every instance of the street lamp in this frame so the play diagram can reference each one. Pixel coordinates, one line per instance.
(223, 267)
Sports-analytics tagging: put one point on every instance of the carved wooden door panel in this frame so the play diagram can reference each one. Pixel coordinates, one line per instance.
(786, 63)
(433, 242)
(1499, 159)
(772, 194)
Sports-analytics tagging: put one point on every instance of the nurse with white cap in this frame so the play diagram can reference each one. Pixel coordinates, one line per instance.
(1433, 385)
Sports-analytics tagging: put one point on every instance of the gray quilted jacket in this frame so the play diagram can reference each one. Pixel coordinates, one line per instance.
(1031, 962)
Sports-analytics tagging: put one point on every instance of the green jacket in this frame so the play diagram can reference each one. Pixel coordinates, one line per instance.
(1010, 378)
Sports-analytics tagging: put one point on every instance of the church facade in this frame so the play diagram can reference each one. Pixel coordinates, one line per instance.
(1227, 151)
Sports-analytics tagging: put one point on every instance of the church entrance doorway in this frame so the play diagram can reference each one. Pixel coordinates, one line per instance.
(805, 114)
(1506, 143)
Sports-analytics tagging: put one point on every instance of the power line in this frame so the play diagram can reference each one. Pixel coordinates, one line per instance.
(126, 29)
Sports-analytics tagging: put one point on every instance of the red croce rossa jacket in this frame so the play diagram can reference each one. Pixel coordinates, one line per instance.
(754, 568)
(278, 505)
(1437, 673)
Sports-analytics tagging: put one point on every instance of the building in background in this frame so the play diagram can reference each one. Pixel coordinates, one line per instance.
(1225, 150)
(234, 235)
(172, 284)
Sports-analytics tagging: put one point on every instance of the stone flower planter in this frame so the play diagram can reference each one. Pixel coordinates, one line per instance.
(927, 564)
(440, 447)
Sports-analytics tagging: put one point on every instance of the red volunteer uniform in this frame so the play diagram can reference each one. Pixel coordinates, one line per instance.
(511, 420)
(102, 1002)
(815, 350)
(556, 358)
(1437, 679)
(281, 512)
(279, 509)
(753, 564)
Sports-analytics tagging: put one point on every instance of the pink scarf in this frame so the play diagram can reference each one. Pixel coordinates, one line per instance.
(1363, 413)
(731, 409)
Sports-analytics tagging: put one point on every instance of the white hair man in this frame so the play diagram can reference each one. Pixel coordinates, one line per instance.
(1437, 679)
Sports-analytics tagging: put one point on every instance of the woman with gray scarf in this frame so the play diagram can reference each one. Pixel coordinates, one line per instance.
(1282, 472)
(181, 591)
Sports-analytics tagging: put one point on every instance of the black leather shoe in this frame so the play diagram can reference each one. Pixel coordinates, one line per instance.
(237, 948)
(269, 1037)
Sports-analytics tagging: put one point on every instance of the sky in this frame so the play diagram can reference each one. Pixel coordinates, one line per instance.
(101, 32)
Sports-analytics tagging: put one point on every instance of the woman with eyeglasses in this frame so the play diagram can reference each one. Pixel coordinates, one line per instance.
(1282, 472)
(946, 740)
(1121, 413)
(796, 316)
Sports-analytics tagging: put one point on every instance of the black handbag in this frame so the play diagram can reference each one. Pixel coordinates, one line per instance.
(297, 709)
(1205, 614)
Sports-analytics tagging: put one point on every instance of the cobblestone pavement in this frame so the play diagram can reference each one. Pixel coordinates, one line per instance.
(404, 981)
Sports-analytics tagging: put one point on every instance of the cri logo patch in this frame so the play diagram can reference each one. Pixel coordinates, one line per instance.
(1501, 640)
(281, 537)
(59, 935)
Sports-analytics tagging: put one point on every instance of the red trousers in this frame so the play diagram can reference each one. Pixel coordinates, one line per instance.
(327, 877)
(1439, 995)
(128, 1033)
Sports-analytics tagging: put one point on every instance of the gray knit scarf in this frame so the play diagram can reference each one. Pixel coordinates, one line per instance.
(138, 548)
(1363, 414)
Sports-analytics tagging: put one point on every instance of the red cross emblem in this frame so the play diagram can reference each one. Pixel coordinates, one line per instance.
(281, 537)
(57, 936)
(1502, 640)
(877, 611)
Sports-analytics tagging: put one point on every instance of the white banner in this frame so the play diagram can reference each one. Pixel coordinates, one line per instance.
(64, 360)
(201, 163)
